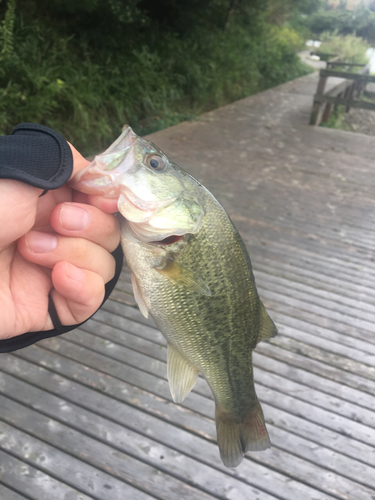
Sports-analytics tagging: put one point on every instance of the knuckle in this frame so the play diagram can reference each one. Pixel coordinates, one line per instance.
(111, 228)
(80, 249)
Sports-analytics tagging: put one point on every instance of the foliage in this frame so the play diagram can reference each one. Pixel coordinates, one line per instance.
(86, 68)
(6, 32)
(281, 11)
(337, 119)
(361, 21)
(356, 120)
(349, 48)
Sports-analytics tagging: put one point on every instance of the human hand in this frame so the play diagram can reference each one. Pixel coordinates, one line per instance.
(58, 244)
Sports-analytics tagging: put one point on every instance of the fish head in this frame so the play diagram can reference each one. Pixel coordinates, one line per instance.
(157, 198)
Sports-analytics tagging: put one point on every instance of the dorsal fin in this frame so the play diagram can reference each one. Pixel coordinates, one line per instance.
(267, 329)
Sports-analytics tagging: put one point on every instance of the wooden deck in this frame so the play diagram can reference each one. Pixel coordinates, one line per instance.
(88, 415)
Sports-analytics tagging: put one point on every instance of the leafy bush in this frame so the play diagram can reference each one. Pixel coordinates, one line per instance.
(337, 119)
(86, 68)
(349, 48)
(361, 22)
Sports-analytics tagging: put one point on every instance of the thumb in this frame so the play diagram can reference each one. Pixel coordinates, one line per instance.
(79, 162)
(17, 209)
(77, 294)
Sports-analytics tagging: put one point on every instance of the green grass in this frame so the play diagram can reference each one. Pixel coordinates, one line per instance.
(337, 120)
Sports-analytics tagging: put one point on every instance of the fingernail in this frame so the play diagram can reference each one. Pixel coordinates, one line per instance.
(73, 218)
(73, 272)
(41, 242)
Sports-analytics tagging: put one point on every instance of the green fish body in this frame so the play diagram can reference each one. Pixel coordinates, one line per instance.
(191, 272)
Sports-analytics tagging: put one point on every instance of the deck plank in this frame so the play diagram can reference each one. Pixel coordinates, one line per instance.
(306, 470)
(73, 434)
(32, 483)
(143, 381)
(196, 441)
(8, 493)
(159, 352)
(63, 466)
(206, 480)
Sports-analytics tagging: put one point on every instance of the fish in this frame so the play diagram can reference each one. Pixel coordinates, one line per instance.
(190, 270)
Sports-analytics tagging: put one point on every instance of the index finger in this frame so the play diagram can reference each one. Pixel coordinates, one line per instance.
(108, 205)
(86, 221)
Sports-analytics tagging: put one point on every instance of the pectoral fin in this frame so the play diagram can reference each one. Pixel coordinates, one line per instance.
(183, 277)
(181, 374)
(138, 296)
(267, 328)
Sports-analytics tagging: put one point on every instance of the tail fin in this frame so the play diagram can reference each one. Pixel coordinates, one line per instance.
(235, 439)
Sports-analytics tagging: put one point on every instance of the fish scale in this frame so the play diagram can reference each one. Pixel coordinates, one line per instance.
(191, 271)
(216, 333)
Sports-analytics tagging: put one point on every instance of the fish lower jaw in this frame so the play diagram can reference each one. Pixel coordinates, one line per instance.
(131, 211)
(129, 200)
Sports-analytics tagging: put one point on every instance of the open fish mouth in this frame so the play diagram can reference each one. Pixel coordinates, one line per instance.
(169, 240)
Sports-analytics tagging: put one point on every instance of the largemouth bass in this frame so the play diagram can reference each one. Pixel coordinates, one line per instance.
(191, 272)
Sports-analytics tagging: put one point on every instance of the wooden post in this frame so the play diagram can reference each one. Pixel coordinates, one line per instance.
(327, 113)
(321, 85)
(335, 105)
(348, 95)
(364, 82)
(314, 118)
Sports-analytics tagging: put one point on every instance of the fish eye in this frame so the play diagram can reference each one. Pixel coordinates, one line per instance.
(156, 162)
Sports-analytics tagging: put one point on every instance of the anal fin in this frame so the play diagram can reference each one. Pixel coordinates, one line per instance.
(267, 329)
(181, 374)
(236, 438)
